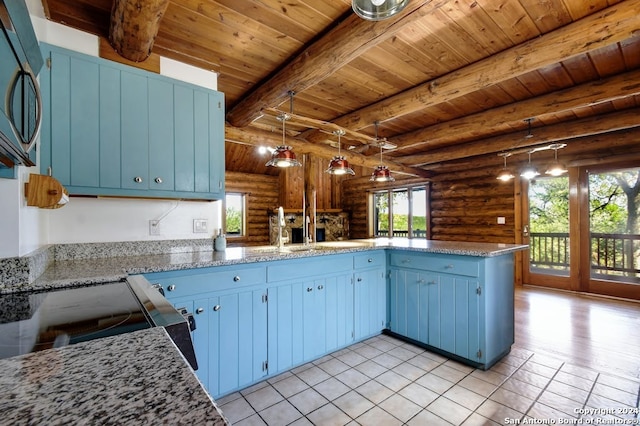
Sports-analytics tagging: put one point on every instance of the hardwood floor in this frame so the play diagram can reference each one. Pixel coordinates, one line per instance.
(594, 332)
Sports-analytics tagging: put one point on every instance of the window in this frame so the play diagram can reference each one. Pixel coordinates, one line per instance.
(400, 213)
(235, 214)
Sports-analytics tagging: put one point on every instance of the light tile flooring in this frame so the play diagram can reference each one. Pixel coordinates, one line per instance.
(385, 381)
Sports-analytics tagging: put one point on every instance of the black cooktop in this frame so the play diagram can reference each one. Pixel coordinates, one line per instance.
(32, 322)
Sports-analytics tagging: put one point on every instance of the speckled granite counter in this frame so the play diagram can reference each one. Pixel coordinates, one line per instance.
(93, 264)
(134, 378)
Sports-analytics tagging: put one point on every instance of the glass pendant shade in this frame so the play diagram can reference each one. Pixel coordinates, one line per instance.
(377, 10)
(505, 174)
(556, 169)
(381, 174)
(530, 171)
(283, 156)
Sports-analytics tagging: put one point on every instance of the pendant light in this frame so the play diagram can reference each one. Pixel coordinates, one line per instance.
(556, 169)
(530, 171)
(339, 165)
(283, 156)
(377, 10)
(505, 174)
(381, 172)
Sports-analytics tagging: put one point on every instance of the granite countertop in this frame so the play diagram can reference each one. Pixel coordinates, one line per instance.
(133, 378)
(87, 271)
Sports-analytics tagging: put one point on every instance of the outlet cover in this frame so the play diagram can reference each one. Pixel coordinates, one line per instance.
(200, 226)
(501, 220)
(154, 227)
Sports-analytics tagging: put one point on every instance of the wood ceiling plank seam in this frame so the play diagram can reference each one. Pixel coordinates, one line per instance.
(550, 15)
(578, 9)
(630, 49)
(375, 62)
(300, 13)
(610, 25)
(439, 50)
(512, 15)
(473, 19)
(581, 69)
(608, 61)
(219, 14)
(271, 18)
(556, 77)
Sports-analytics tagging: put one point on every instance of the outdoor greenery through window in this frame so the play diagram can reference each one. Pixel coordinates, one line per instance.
(235, 214)
(400, 213)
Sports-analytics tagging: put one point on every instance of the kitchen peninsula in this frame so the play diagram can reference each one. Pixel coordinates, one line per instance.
(377, 281)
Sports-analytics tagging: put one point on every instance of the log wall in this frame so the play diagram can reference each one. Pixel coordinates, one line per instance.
(262, 196)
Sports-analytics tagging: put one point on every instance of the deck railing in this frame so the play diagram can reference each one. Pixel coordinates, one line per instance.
(417, 233)
(611, 254)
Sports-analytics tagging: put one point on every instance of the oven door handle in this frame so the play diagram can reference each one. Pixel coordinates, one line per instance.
(9, 98)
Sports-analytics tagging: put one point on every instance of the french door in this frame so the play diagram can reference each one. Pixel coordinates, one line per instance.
(583, 231)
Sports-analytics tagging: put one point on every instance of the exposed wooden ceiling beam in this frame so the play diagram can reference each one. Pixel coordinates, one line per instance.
(134, 26)
(249, 136)
(472, 126)
(609, 26)
(555, 133)
(339, 46)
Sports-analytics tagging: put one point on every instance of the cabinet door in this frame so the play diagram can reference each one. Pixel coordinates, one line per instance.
(216, 163)
(199, 336)
(285, 324)
(238, 345)
(405, 304)
(134, 116)
(161, 135)
(370, 303)
(338, 300)
(454, 316)
(314, 319)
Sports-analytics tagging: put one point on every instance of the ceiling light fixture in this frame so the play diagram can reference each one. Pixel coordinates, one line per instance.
(505, 174)
(339, 165)
(377, 10)
(283, 156)
(381, 172)
(556, 169)
(530, 171)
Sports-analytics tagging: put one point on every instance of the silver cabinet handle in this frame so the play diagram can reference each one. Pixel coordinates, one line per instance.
(236, 278)
(171, 287)
(158, 180)
(216, 308)
(433, 282)
(199, 311)
(320, 287)
(309, 289)
(421, 281)
(369, 260)
(137, 179)
(449, 266)
(406, 260)
(359, 279)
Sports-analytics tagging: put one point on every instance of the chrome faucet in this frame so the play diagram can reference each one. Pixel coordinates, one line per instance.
(281, 225)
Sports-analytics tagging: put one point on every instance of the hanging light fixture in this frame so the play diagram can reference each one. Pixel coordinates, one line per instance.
(505, 174)
(339, 165)
(377, 10)
(556, 169)
(381, 172)
(283, 156)
(530, 171)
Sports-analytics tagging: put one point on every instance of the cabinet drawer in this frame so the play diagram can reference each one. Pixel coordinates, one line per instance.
(458, 265)
(373, 259)
(197, 282)
(309, 267)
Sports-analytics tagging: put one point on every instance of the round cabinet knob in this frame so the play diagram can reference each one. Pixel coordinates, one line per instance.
(369, 260)
(199, 311)
(171, 287)
(406, 260)
(449, 266)
(309, 289)
(236, 278)
(216, 308)
(433, 282)
(137, 179)
(320, 287)
(421, 281)
(359, 279)
(158, 180)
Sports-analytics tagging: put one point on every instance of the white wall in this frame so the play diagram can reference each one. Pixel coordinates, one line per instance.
(24, 229)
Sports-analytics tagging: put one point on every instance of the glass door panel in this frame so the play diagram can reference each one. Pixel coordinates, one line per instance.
(418, 213)
(400, 209)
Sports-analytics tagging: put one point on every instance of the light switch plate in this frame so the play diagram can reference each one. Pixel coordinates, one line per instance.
(200, 226)
(501, 220)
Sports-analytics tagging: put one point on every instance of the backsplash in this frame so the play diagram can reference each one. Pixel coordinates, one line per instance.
(330, 227)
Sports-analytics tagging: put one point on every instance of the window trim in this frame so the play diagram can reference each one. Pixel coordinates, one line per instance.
(243, 233)
(389, 191)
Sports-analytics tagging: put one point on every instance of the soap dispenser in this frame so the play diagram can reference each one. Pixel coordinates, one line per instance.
(220, 242)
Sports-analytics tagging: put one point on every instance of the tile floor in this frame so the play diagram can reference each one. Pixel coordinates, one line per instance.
(385, 381)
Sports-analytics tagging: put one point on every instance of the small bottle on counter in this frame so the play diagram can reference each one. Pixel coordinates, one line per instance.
(220, 242)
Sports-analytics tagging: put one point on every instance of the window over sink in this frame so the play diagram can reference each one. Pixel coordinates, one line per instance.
(400, 212)
(235, 214)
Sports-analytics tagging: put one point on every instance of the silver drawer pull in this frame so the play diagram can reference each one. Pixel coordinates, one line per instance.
(421, 281)
(199, 311)
(449, 266)
(158, 180)
(236, 278)
(369, 260)
(137, 179)
(433, 282)
(406, 260)
(359, 279)
(216, 308)
(171, 287)
(309, 289)
(320, 287)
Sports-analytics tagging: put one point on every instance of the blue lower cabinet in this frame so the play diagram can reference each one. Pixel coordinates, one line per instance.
(370, 303)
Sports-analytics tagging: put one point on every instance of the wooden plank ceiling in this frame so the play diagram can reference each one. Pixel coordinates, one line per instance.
(451, 83)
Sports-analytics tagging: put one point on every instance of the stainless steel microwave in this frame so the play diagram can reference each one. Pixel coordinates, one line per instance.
(20, 101)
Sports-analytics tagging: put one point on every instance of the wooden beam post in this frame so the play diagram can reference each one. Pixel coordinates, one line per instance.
(134, 27)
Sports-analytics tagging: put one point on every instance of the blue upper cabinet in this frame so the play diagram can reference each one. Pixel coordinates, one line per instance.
(109, 129)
